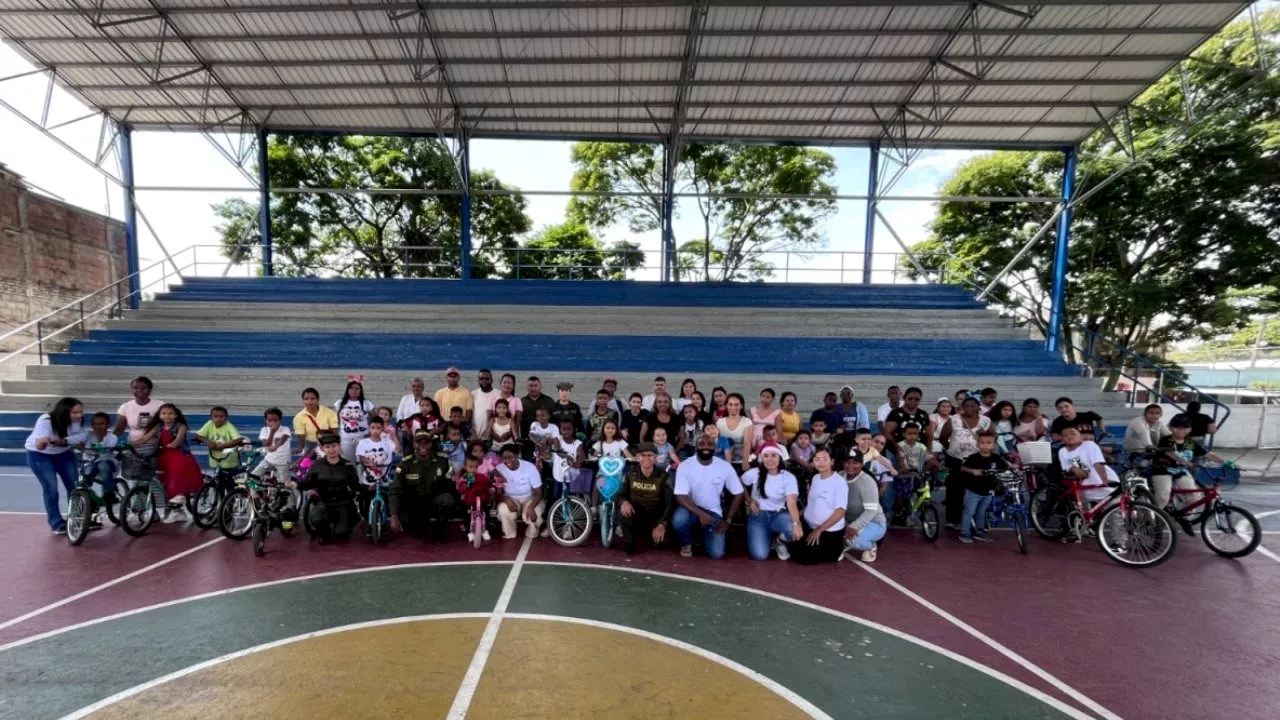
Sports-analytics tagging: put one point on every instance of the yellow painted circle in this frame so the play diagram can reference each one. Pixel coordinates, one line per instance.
(537, 669)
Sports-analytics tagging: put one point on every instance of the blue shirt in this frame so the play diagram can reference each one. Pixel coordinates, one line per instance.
(831, 418)
(853, 419)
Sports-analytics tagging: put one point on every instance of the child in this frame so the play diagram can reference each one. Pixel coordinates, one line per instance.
(1081, 460)
(425, 419)
(1181, 453)
(390, 430)
(97, 455)
(633, 419)
(275, 439)
(689, 432)
(502, 427)
(801, 462)
(458, 419)
(610, 443)
(1003, 418)
(566, 459)
(454, 447)
(768, 437)
(722, 444)
(180, 472)
(334, 517)
(818, 435)
(486, 461)
(665, 459)
(914, 460)
(353, 418)
(981, 487)
(542, 432)
(222, 439)
(375, 452)
(474, 485)
(601, 412)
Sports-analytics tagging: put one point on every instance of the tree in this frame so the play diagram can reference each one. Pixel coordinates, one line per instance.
(373, 234)
(569, 251)
(1182, 246)
(739, 231)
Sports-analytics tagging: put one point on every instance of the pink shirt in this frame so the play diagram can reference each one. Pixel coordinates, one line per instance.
(137, 417)
(513, 404)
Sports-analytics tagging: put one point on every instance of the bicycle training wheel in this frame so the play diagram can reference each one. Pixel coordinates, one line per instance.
(569, 521)
(1228, 530)
(137, 510)
(606, 524)
(204, 511)
(236, 514)
(377, 520)
(260, 530)
(1049, 513)
(79, 515)
(1139, 536)
(929, 522)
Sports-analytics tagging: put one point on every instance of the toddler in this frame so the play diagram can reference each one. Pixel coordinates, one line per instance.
(275, 440)
(473, 485)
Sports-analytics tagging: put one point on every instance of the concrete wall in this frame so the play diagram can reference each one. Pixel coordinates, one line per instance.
(50, 254)
(1250, 426)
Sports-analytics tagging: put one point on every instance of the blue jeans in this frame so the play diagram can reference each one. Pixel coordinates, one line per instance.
(104, 471)
(762, 526)
(975, 514)
(47, 469)
(888, 497)
(867, 536)
(684, 522)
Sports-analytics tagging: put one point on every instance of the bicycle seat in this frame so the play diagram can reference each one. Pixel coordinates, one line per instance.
(1113, 483)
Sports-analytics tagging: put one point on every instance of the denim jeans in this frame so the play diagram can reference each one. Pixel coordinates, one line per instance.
(104, 471)
(975, 514)
(867, 536)
(47, 469)
(684, 522)
(762, 526)
(888, 497)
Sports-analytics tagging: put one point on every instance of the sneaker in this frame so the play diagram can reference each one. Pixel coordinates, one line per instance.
(178, 500)
(170, 516)
(952, 526)
(984, 538)
(509, 537)
(532, 532)
(869, 556)
(685, 550)
(95, 524)
(546, 532)
(966, 540)
(60, 530)
(471, 537)
(780, 548)
(485, 536)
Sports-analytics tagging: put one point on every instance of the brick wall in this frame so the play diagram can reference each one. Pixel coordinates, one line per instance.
(50, 254)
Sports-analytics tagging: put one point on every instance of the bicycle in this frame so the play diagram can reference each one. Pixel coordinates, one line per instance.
(377, 518)
(609, 483)
(217, 483)
(1217, 518)
(83, 504)
(237, 510)
(138, 509)
(269, 498)
(1009, 502)
(569, 519)
(1132, 533)
(922, 506)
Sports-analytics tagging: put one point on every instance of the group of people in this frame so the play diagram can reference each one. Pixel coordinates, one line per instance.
(814, 489)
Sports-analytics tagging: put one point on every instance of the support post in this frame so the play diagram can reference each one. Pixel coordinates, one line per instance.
(465, 234)
(264, 205)
(668, 210)
(1057, 310)
(130, 217)
(869, 235)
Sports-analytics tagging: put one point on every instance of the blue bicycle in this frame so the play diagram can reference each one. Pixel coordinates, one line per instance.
(1010, 502)
(609, 483)
(378, 517)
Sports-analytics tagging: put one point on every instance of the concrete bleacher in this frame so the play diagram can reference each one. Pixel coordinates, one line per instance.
(248, 344)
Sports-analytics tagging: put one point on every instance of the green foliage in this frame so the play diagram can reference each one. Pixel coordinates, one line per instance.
(738, 232)
(373, 235)
(1184, 245)
(569, 251)
(1239, 345)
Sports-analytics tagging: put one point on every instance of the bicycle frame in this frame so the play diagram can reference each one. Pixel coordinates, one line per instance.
(1210, 494)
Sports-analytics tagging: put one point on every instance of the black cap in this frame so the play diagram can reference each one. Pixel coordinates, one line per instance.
(854, 455)
(329, 439)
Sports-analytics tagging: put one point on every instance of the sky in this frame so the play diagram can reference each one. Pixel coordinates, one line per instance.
(185, 219)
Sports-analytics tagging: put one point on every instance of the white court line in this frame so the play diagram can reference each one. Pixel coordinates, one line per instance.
(1268, 553)
(19, 512)
(467, 690)
(107, 584)
(986, 640)
(1268, 513)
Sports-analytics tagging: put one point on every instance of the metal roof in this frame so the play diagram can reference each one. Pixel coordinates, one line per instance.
(931, 73)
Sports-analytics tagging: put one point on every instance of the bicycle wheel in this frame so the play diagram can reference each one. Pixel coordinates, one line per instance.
(304, 515)
(477, 528)
(1139, 537)
(114, 509)
(377, 520)
(570, 521)
(1020, 528)
(291, 511)
(929, 522)
(137, 510)
(79, 515)
(606, 524)
(205, 507)
(1049, 513)
(236, 514)
(1228, 530)
(260, 530)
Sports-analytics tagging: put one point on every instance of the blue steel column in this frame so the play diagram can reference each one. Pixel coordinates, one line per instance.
(466, 208)
(869, 235)
(264, 205)
(130, 216)
(1057, 310)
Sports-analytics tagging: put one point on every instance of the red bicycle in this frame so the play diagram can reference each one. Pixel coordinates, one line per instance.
(1228, 530)
(1132, 532)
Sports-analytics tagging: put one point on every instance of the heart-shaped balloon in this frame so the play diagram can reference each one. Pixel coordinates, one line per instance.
(611, 465)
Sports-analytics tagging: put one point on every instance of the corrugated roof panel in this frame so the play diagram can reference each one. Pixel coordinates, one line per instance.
(1150, 71)
(1051, 71)
(1075, 115)
(1112, 93)
(652, 17)
(20, 26)
(721, 17)
(461, 48)
(459, 20)
(848, 115)
(1061, 136)
(654, 46)
(925, 17)
(515, 50)
(773, 46)
(1013, 116)
(485, 73)
(334, 50)
(1094, 16)
(1159, 44)
(289, 118)
(912, 45)
(895, 71)
(1012, 93)
(1195, 14)
(1063, 45)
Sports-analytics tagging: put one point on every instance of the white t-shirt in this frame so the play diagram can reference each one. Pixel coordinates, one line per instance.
(704, 483)
(407, 408)
(779, 487)
(539, 433)
(610, 449)
(826, 495)
(1087, 455)
(883, 413)
(559, 464)
(379, 452)
(137, 416)
(521, 482)
(481, 401)
(281, 455)
(679, 404)
(353, 417)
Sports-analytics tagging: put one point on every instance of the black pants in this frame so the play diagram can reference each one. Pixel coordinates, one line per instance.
(422, 514)
(956, 485)
(332, 521)
(640, 524)
(830, 545)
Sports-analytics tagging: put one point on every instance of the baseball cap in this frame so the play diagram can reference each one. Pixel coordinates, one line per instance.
(451, 371)
(854, 455)
(610, 379)
(564, 385)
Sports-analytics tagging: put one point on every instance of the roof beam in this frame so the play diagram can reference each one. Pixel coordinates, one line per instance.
(647, 120)
(888, 105)
(531, 84)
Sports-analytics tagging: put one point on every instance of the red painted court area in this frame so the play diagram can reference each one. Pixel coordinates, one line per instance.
(1196, 637)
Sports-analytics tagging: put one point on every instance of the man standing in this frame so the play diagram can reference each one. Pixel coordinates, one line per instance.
(453, 395)
(645, 500)
(697, 490)
(481, 400)
(828, 413)
(521, 495)
(422, 491)
(408, 406)
(531, 402)
(659, 388)
(895, 401)
(610, 386)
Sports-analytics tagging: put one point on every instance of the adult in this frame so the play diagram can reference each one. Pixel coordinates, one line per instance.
(422, 494)
(454, 395)
(135, 415)
(789, 421)
(353, 418)
(1202, 425)
(719, 396)
(1088, 423)
(828, 413)
(532, 401)
(699, 403)
(662, 416)
(408, 406)
(1145, 431)
(49, 455)
(940, 416)
(659, 388)
(853, 414)
(763, 415)
(334, 516)
(773, 511)
(894, 394)
(687, 388)
(864, 516)
(989, 398)
(610, 386)
(566, 409)
(960, 437)
(823, 519)
(960, 396)
(1031, 425)
(645, 501)
(312, 421)
(909, 412)
(521, 494)
(507, 391)
(699, 485)
(737, 430)
(482, 401)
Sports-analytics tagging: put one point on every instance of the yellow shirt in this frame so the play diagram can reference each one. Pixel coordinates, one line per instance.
(447, 399)
(790, 425)
(308, 427)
